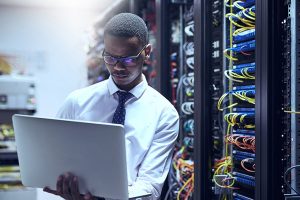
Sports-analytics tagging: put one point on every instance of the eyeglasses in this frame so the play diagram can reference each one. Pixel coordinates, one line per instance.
(126, 61)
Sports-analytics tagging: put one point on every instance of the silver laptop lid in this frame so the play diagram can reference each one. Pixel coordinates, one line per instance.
(95, 152)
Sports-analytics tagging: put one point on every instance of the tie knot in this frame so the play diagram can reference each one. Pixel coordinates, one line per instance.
(124, 96)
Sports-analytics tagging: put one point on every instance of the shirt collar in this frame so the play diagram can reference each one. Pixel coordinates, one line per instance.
(137, 91)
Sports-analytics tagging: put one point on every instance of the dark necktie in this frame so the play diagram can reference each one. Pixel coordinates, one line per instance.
(119, 116)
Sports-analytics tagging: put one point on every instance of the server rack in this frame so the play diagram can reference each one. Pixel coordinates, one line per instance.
(175, 61)
(276, 99)
(288, 35)
(276, 93)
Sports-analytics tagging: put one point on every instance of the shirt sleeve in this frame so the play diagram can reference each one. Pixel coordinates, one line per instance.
(67, 110)
(156, 164)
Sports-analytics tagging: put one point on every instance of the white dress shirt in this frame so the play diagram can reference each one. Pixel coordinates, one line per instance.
(151, 128)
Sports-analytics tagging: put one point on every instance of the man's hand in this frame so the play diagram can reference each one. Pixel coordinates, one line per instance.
(67, 188)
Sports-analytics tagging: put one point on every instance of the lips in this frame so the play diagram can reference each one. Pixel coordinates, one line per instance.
(120, 76)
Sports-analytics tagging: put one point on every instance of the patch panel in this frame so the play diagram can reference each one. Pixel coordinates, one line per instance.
(244, 65)
(245, 181)
(244, 132)
(245, 87)
(241, 175)
(252, 64)
(216, 4)
(244, 36)
(243, 46)
(247, 92)
(238, 100)
(248, 70)
(240, 197)
(245, 115)
(243, 58)
(243, 154)
(239, 157)
(243, 109)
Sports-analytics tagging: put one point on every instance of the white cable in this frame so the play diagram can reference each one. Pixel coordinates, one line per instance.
(189, 91)
(188, 48)
(190, 62)
(188, 80)
(189, 29)
(187, 108)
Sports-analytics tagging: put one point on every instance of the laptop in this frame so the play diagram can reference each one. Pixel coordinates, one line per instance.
(93, 151)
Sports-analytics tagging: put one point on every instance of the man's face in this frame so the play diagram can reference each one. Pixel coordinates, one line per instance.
(125, 76)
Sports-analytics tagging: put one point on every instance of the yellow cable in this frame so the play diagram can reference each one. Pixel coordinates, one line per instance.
(185, 184)
(230, 57)
(248, 16)
(226, 73)
(237, 31)
(238, 5)
(291, 112)
(227, 5)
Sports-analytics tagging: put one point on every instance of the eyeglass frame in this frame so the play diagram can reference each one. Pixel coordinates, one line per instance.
(120, 59)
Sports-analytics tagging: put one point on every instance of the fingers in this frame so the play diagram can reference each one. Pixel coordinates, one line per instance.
(66, 184)
(67, 187)
(47, 189)
(74, 188)
(59, 183)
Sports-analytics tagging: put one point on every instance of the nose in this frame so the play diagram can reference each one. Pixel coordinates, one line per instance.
(119, 66)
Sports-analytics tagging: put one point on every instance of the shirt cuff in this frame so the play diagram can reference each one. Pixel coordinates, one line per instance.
(140, 188)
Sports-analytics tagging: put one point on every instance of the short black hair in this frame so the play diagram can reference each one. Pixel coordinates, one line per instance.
(127, 25)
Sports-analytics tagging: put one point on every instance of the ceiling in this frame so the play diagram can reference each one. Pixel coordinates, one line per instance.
(82, 4)
(105, 8)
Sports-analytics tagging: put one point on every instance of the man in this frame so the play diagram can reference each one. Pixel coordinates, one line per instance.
(151, 123)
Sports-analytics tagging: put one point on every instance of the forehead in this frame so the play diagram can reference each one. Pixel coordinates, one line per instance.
(121, 46)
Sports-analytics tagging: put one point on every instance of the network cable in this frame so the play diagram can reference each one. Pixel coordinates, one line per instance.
(183, 171)
(240, 48)
(223, 167)
(244, 142)
(187, 108)
(238, 75)
(285, 178)
(244, 95)
(240, 120)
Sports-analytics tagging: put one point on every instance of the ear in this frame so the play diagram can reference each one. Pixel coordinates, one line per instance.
(148, 51)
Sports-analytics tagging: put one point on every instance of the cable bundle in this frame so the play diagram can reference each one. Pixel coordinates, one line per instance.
(239, 75)
(242, 48)
(187, 108)
(242, 5)
(188, 80)
(182, 172)
(241, 141)
(244, 19)
(238, 119)
(244, 95)
(250, 163)
(223, 167)
(234, 170)
(188, 48)
(188, 126)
